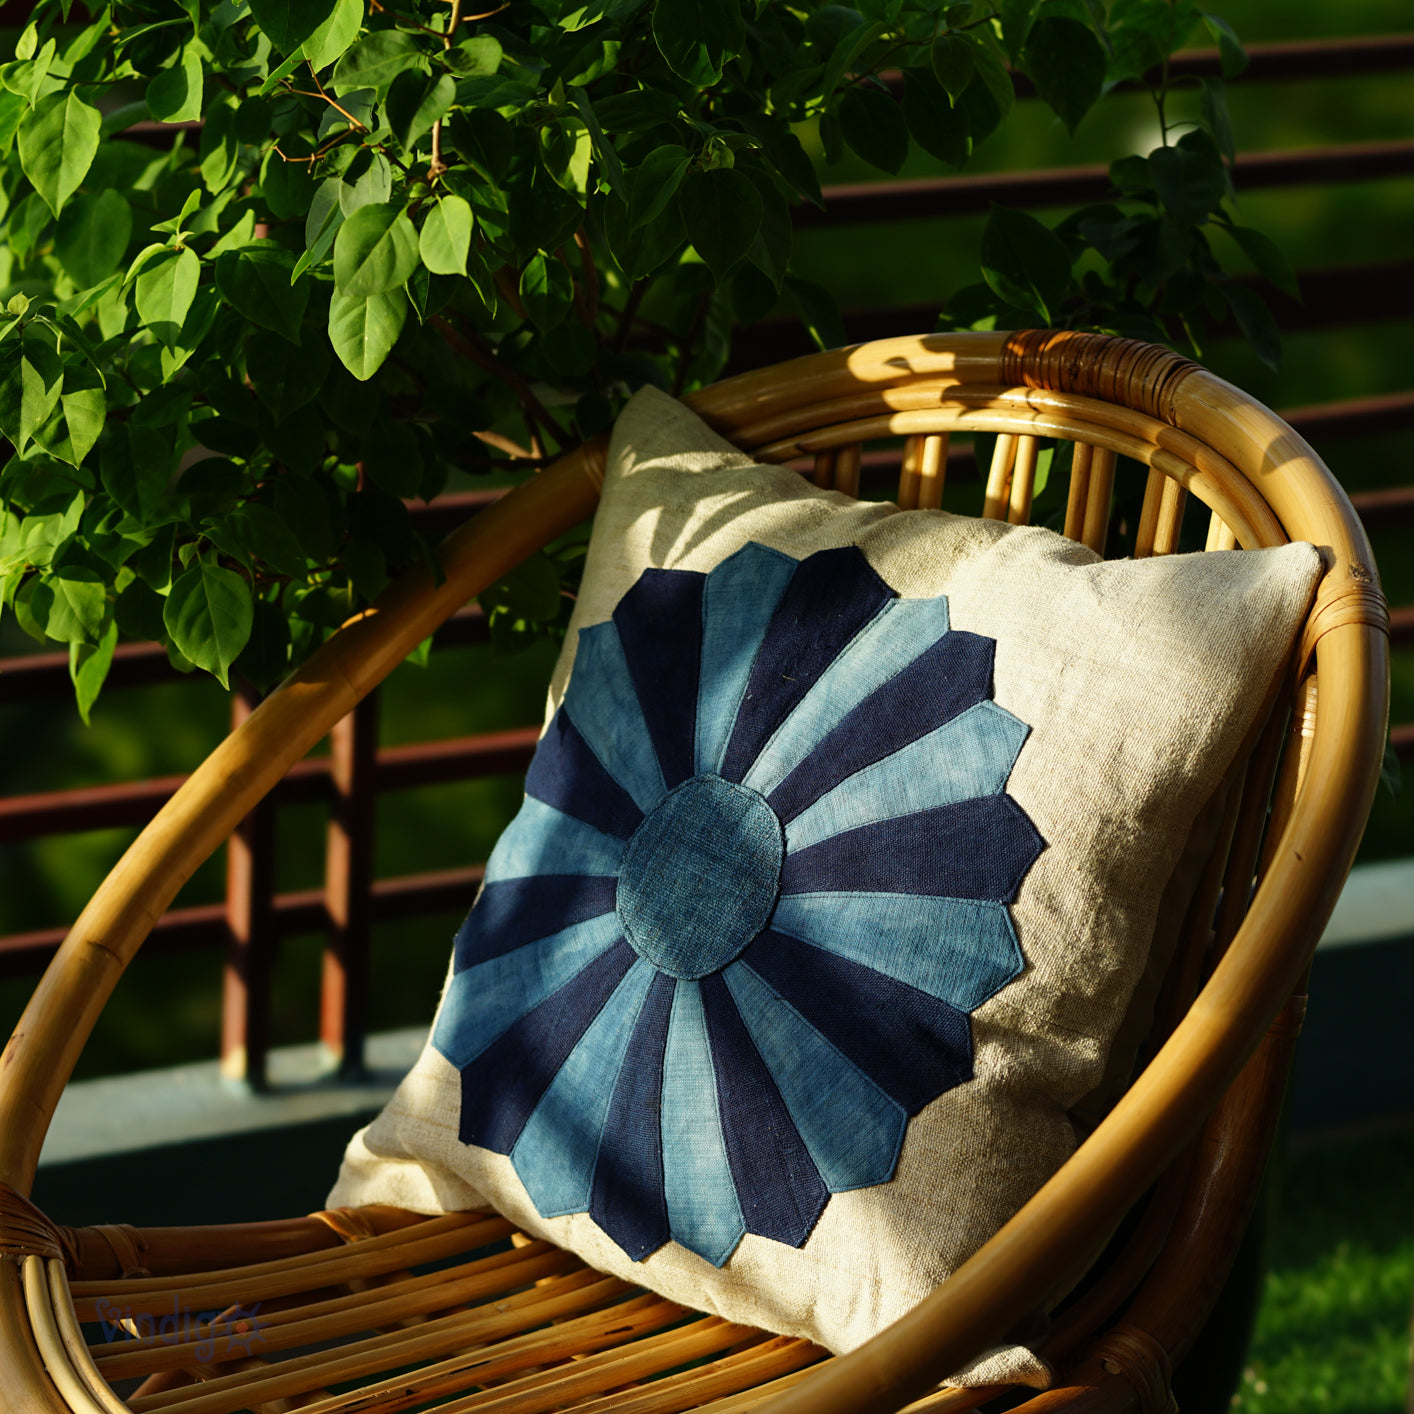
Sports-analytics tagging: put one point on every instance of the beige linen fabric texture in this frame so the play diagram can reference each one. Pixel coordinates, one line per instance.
(1139, 680)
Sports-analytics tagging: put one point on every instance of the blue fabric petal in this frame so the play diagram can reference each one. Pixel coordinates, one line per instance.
(740, 597)
(556, 1151)
(777, 1184)
(505, 1082)
(853, 1130)
(565, 773)
(513, 912)
(627, 1201)
(660, 628)
(544, 840)
(970, 756)
(944, 680)
(832, 595)
(703, 1212)
(904, 629)
(975, 849)
(914, 1046)
(958, 950)
(483, 1002)
(603, 702)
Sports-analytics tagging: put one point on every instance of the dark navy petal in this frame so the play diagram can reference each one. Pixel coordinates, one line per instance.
(780, 1190)
(978, 849)
(628, 1200)
(514, 912)
(660, 627)
(555, 1153)
(504, 1084)
(901, 630)
(913, 1046)
(832, 596)
(565, 773)
(949, 677)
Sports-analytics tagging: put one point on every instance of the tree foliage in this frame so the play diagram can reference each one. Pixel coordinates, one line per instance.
(378, 242)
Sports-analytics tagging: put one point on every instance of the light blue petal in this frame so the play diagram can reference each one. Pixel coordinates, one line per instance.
(958, 950)
(703, 1212)
(602, 703)
(740, 596)
(851, 1127)
(557, 1149)
(543, 840)
(900, 631)
(970, 756)
(488, 999)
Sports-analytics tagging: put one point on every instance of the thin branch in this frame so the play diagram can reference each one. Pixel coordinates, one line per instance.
(589, 274)
(685, 354)
(581, 304)
(338, 108)
(629, 312)
(533, 454)
(509, 292)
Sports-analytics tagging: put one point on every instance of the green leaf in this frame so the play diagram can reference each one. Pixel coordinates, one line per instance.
(280, 74)
(392, 458)
(219, 149)
(953, 60)
(256, 281)
(483, 138)
(165, 291)
(989, 102)
(336, 34)
(1017, 17)
(58, 140)
(376, 60)
(1067, 64)
(645, 250)
(721, 210)
(530, 591)
(195, 327)
(286, 376)
(698, 37)
(1231, 54)
(375, 251)
(265, 535)
(603, 149)
(31, 377)
(372, 186)
(174, 95)
(475, 57)
(819, 313)
(1268, 257)
(655, 182)
(25, 78)
(783, 151)
(208, 614)
(937, 127)
(74, 427)
(1217, 117)
(546, 290)
(414, 103)
(445, 237)
(136, 465)
(364, 330)
(846, 50)
(1189, 179)
(874, 127)
(303, 506)
(289, 23)
(71, 603)
(88, 668)
(1024, 262)
(13, 108)
(1256, 322)
(92, 236)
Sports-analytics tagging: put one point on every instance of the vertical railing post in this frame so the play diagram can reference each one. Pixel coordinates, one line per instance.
(348, 875)
(250, 923)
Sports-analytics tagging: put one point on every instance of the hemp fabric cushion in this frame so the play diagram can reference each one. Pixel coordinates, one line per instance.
(839, 865)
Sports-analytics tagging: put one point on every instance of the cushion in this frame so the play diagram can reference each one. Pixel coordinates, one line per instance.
(838, 866)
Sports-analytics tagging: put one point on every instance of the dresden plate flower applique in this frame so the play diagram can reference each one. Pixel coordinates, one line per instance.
(729, 945)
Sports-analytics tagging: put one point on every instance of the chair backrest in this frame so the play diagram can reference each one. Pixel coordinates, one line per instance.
(1291, 834)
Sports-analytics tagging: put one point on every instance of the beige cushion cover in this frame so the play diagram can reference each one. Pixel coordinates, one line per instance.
(1139, 680)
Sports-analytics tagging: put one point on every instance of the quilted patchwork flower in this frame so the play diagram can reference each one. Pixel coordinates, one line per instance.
(729, 945)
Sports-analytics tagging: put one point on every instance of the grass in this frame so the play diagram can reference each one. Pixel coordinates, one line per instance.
(1333, 1330)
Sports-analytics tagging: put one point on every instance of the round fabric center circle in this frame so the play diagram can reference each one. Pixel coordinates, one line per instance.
(699, 877)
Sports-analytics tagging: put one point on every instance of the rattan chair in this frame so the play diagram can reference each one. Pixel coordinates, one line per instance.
(515, 1325)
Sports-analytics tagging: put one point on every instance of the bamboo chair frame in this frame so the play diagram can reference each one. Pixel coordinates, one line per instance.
(523, 1327)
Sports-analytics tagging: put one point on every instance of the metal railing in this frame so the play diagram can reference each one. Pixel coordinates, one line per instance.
(254, 918)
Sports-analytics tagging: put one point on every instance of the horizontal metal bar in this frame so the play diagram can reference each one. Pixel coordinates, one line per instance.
(302, 911)
(1382, 510)
(929, 198)
(1402, 740)
(1401, 627)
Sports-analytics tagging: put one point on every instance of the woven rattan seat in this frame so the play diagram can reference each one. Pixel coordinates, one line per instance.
(378, 1309)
